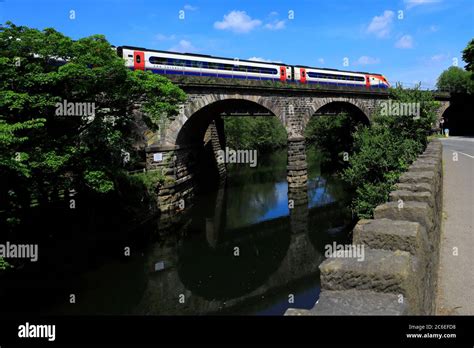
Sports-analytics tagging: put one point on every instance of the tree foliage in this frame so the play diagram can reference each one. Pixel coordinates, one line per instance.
(468, 56)
(386, 149)
(333, 135)
(456, 80)
(259, 133)
(42, 153)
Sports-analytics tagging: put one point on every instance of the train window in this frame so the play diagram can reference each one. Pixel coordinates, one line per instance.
(335, 77)
(137, 59)
(158, 60)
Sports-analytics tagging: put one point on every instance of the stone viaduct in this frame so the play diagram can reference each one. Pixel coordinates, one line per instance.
(177, 147)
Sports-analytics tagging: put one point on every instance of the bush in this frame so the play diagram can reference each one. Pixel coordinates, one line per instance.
(151, 180)
(333, 135)
(385, 150)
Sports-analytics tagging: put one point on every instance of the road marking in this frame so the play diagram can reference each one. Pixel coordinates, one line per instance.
(462, 153)
(470, 140)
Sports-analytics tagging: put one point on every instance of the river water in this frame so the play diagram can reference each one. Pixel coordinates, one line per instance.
(239, 249)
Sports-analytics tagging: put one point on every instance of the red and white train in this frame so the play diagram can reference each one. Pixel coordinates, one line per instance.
(172, 63)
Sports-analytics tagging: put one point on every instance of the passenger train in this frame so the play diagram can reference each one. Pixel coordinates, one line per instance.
(172, 63)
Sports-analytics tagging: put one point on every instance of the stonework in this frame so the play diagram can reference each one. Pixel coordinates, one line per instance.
(398, 274)
(181, 139)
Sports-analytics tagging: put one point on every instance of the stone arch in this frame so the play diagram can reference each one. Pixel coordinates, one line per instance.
(443, 109)
(356, 106)
(196, 115)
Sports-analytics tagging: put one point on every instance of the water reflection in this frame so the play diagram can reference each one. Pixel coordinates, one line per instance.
(243, 250)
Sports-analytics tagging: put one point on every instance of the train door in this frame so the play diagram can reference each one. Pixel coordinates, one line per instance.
(367, 81)
(139, 60)
(282, 73)
(302, 75)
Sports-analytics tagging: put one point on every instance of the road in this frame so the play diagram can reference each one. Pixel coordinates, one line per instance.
(456, 272)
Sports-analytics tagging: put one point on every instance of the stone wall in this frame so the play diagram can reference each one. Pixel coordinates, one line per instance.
(215, 140)
(398, 273)
(178, 165)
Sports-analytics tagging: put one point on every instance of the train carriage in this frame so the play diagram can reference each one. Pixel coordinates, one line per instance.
(172, 63)
(339, 78)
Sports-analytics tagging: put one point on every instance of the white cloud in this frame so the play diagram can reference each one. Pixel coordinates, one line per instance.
(366, 60)
(238, 22)
(162, 37)
(406, 41)
(183, 46)
(321, 60)
(413, 3)
(434, 28)
(381, 25)
(439, 57)
(190, 8)
(260, 59)
(273, 13)
(275, 25)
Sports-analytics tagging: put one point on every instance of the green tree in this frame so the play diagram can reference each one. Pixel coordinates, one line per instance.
(333, 135)
(468, 56)
(43, 153)
(455, 79)
(385, 149)
(260, 133)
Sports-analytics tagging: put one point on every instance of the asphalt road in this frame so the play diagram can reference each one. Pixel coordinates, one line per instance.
(456, 272)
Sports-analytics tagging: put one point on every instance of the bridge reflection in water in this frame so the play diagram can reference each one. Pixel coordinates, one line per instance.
(242, 249)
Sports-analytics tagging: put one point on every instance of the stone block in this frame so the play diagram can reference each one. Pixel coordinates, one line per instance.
(392, 235)
(380, 271)
(410, 196)
(412, 211)
(357, 302)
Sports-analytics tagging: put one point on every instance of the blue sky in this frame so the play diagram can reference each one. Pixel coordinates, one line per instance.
(406, 40)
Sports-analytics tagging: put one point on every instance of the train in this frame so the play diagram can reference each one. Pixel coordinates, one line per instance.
(190, 64)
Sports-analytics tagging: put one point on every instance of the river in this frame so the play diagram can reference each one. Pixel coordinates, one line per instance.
(239, 249)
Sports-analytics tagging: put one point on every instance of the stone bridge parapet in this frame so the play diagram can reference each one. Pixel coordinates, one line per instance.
(398, 273)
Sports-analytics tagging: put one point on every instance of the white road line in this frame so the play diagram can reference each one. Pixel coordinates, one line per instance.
(465, 154)
(469, 140)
